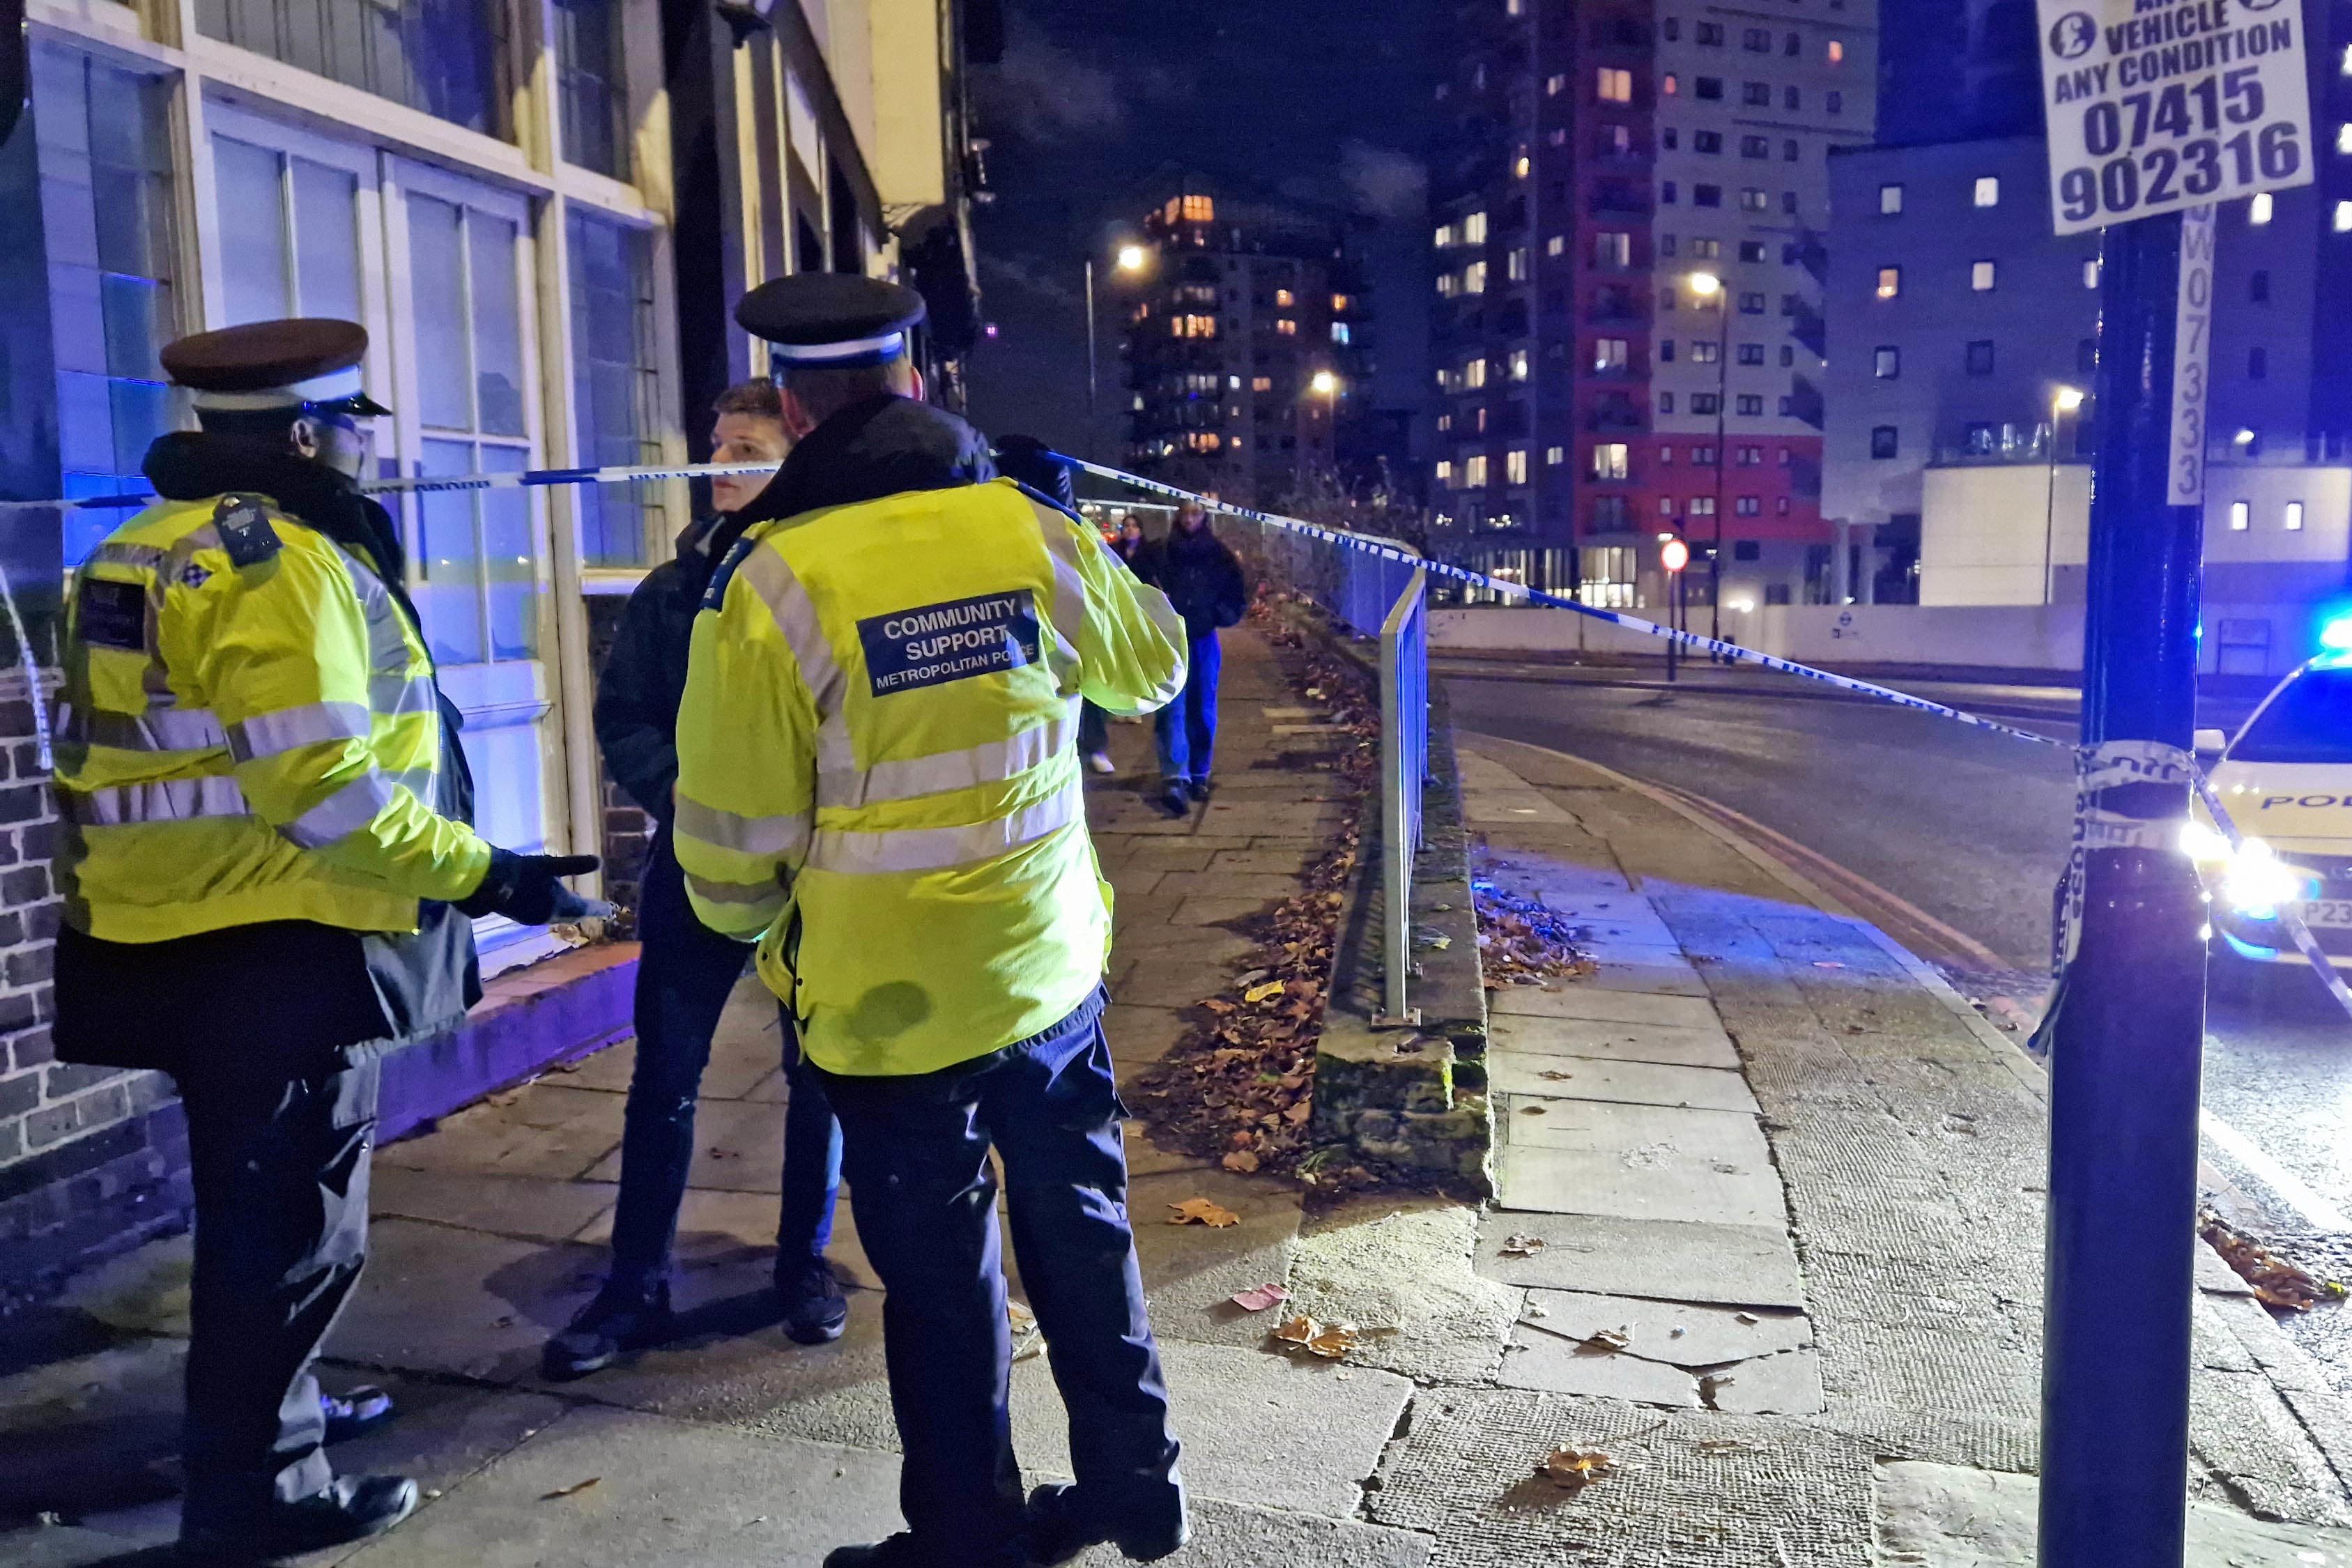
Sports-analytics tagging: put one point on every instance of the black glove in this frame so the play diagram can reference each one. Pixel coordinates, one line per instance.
(524, 888)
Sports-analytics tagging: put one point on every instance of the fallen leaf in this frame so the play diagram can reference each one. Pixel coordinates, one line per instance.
(1531, 1111)
(1218, 1005)
(573, 1490)
(1573, 1469)
(1335, 1342)
(1522, 1246)
(1200, 1211)
(1555, 1074)
(1750, 1318)
(1241, 1159)
(1258, 1298)
(1260, 993)
(1022, 1318)
(1297, 1114)
(1608, 1341)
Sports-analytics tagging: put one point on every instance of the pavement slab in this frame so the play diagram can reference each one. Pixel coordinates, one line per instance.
(1403, 1269)
(1945, 1516)
(1537, 1077)
(1696, 1261)
(1582, 1000)
(1521, 1036)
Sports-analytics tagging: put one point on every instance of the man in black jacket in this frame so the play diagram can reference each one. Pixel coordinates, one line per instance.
(1203, 578)
(687, 971)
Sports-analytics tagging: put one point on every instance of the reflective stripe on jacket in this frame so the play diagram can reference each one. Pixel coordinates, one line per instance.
(877, 774)
(239, 743)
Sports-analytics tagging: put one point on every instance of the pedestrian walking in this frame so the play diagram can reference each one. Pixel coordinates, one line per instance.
(1203, 578)
(877, 783)
(269, 875)
(687, 970)
(1129, 545)
(1033, 463)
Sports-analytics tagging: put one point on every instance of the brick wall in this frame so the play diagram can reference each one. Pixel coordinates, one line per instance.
(93, 1160)
(628, 831)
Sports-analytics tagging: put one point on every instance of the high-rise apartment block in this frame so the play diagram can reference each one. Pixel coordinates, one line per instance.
(1630, 204)
(1245, 349)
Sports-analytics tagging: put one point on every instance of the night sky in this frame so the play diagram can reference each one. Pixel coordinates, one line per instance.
(1318, 104)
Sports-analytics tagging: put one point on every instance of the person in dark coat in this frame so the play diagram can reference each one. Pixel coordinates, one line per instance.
(687, 971)
(1203, 578)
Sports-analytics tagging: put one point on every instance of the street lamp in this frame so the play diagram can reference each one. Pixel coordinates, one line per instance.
(1323, 384)
(1673, 555)
(1707, 286)
(2065, 400)
(1130, 258)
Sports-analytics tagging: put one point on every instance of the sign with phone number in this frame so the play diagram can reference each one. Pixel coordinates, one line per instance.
(2158, 105)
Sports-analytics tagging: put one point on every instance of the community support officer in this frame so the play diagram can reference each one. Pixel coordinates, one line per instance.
(268, 872)
(877, 781)
(687, 969)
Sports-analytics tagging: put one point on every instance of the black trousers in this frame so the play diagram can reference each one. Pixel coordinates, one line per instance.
(916, 1151)
(685, 974)
(280, 1164)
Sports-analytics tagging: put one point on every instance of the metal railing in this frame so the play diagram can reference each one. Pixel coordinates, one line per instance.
(1377, 588)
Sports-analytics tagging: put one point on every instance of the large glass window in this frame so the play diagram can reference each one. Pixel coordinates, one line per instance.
(614, 387)
(446, 58)
(476, 557)
(297, 222)
(104, 157)
(589, 85)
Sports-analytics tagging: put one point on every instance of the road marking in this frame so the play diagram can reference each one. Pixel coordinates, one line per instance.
(2317, 1211)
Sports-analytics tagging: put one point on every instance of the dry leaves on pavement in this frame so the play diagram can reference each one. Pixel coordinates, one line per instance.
(1573, 1469)
(1522, 1246)
(2276, 1283)
(1522, 941)
(1200, 1211)
(1329, 1340)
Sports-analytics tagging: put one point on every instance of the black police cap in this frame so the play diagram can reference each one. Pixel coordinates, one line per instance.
(301, 363)
(825, 320)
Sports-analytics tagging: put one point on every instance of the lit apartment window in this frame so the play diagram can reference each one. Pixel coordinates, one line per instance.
(1519, 263)
(1285, 327)
(2242, 516)
(1448, 285)
(2091, 273)
(1515, 7)
(2259, 209)
(2344, 217)
(1554, 86)
(1474, 229)
(1670, 84)
(1515, 465)
(1988, 191)
(1556, 244)
(1887, 363)
(1265, 382)
(1755, 201)
(1702, 506)
(1474, 375)
(1611, 461)
(1704, 352)
(2344, 137)
(1608, 249)
(1473, 278)
(1199, 209)
(1749, 506)
(1284, 298)
(1705, 250)
(1615, 86)
(1837, 52)
(1341, 332)
(1445, 472)
(1446, 235)
(2295, 517)
(1980, 276)
(1521, 165)
(1555, 455)
(1474, 472)
(1610, 354)
(1518, 364)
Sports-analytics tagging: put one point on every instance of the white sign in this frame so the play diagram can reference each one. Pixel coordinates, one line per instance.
(2192, 344)
(2156, 105)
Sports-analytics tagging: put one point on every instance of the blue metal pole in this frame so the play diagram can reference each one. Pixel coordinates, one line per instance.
(2128, 1029)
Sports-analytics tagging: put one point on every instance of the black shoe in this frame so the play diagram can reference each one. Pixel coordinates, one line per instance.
(815, 1311)
(1060, 1527)
(352, 1508)
(363, 1409)
(1176, 797)
(621, 1319)
(901, 1551)
(1199, 789)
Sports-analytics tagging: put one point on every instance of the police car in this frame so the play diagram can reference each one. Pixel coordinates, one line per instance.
(2285, 779)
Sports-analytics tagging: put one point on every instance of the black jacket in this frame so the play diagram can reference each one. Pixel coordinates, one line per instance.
(875, 448)
(1201, 577)
(285, 996)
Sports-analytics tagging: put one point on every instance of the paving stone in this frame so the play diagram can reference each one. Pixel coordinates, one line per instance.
(1518, 1034)
(668, 1491)
(545, 1129)
(1262, 862)
(1709, 1335)
(1479, 806)
(1233, 1535)
(1658, 972)
(1167, 977)
(1641, 1163)
(1581, 999)
(739, 1146)
(717, 1228)
(1404, 1267)
(1139, 1033)
(1190, 1271)
(1630, 1083)
(1789, 1383)
(1202, 909)
(1267, 886)
(1943, 1516)
(531, 1206)
(1745, 1266)
(1537, 1359)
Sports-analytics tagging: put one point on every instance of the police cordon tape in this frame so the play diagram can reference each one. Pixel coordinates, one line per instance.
(2094, 827)
(2097, 768)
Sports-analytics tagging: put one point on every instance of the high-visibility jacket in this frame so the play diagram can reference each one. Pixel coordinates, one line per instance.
(249, 731)
(878, 774)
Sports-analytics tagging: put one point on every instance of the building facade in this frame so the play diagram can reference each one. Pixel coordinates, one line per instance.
(1631, 202)
(542, 210)
(1248, 351)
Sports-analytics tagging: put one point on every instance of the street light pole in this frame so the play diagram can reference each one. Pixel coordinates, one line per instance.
(2066, 399)
(1722, 433)
(1090, 347)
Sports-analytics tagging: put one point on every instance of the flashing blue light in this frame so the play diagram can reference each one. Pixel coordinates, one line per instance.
(2337, 635)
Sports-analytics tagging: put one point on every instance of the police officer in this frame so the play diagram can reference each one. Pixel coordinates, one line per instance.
(268, 872)
(877, 782)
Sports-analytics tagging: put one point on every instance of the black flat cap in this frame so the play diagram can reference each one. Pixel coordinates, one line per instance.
(831, 319)
(308, 363)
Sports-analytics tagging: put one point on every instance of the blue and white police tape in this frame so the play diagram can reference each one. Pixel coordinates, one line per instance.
(520, 479)
(2097, 768)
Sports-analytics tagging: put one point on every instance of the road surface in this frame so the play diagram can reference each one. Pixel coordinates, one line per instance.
(1969, 829)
